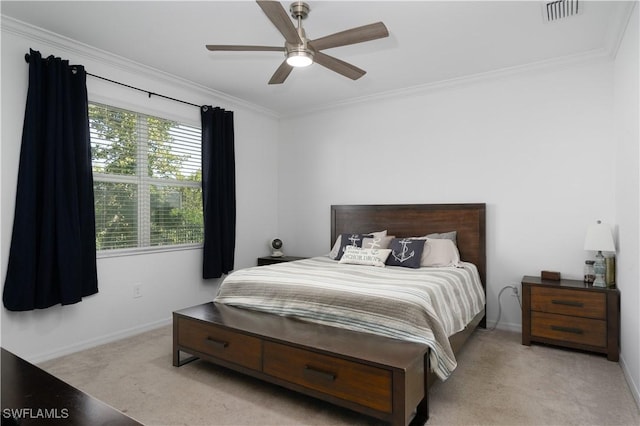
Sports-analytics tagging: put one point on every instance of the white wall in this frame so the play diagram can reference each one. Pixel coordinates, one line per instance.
(536, 147)
(627, 137)
(170, 280)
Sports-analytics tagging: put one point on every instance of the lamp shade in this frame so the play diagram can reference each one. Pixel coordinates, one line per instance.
(599, 238)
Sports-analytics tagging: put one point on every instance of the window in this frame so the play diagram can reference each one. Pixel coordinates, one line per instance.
(147, 180)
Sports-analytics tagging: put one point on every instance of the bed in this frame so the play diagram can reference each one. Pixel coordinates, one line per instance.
(371, 373)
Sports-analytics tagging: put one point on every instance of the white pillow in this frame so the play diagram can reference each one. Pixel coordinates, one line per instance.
(452, 235)
(377, 242)
(440, 252)
(360, 256)
(336, 246)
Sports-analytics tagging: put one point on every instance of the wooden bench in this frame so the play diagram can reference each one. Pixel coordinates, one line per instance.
(377, 376)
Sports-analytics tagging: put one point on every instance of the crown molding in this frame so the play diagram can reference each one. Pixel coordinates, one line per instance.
(619, 22)
(598, 55)
(59, 43)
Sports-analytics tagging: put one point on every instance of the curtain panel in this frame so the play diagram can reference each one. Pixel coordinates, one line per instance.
(52, 258)
(218, 191)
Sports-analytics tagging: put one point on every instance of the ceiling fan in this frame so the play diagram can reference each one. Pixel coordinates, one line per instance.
(300, 51)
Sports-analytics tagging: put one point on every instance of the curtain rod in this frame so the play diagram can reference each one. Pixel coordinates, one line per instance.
(26, 58)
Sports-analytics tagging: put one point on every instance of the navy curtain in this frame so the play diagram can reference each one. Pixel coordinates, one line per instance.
(218, 191)
(52, 259)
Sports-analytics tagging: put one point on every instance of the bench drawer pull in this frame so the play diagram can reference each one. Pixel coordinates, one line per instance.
(216, 343)
(315, 373)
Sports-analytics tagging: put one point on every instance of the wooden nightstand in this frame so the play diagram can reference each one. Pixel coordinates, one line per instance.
(571, 313)
(268, 260)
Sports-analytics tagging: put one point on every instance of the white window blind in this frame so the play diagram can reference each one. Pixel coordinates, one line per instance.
(147, 180)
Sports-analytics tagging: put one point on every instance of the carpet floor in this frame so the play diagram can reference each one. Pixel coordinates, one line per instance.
(498, 382)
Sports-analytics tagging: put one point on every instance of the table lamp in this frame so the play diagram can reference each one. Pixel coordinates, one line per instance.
(599, 238)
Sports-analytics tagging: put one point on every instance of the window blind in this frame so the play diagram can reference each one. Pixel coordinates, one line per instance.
(147, 180)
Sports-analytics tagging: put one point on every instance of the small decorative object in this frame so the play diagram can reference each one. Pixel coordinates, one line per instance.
(550, 275)
(610, 274)
(599, 239)
(589, 272)
(276, 247)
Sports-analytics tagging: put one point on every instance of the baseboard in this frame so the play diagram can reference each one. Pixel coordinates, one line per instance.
(90, 343)
(516, 327)
(633, 387)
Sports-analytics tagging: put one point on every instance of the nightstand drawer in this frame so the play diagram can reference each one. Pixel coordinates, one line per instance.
(365, 385)
(220, 343)
(585, 331)
(569, 302)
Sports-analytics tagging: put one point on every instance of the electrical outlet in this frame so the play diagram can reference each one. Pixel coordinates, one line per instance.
(515, 291)
(137, 290)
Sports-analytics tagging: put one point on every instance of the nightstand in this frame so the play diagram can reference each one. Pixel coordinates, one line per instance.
(572, 314)
(268, 260)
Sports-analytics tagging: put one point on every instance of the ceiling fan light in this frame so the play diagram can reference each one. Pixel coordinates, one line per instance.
(299, 59)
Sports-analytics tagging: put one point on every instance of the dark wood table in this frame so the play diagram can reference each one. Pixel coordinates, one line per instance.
(31, 396)
(269, 260)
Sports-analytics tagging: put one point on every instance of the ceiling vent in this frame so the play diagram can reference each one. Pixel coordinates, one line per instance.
(561, 9)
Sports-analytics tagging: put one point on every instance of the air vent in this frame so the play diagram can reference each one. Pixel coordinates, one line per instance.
(557, 10)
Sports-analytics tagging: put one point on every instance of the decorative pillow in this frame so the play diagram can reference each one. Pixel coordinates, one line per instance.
(440, 252)
(361, 256)
(333, 254)
(377, 242)
(349, 240)
(452, 235)
(406, 252)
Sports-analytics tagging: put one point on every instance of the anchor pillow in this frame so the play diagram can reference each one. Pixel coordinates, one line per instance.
(338, 248)
(349, 240)
(374, 242)
(405, 252)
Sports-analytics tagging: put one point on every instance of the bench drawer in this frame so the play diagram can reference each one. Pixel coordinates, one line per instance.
(220, 343)
(363, 384)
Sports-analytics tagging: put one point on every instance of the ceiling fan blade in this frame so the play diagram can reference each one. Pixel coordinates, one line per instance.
(341, 67)
(233, 48)
(352, 36)
(281, 73)
(279, 17)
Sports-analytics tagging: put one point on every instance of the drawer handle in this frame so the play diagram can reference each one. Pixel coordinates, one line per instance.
(567, 303)
(218, 344)
(567, 329)
(315, 373)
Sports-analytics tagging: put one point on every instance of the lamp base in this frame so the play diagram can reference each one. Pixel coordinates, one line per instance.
(600, 269)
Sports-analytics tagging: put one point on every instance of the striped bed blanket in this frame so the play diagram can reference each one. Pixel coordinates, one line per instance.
(424, 305)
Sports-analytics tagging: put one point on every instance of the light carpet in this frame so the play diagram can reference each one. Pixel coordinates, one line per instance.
(498, 382)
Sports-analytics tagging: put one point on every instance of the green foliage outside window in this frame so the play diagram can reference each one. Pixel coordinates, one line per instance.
(147, 180)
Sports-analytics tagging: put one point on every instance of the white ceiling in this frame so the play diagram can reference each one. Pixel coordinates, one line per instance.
(430, 42)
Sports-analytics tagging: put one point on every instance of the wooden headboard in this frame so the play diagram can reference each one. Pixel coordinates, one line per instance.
(412, 220)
